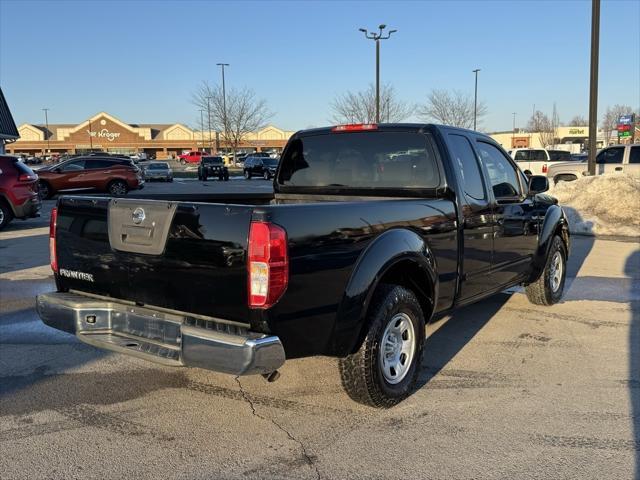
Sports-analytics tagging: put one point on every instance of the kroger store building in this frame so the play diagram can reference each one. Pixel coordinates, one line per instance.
(107, 133)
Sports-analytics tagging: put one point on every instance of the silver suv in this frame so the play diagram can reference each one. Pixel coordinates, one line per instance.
(614, 159)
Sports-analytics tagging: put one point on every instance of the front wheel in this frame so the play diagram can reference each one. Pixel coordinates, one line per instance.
(266, 176)
(548, 289)
(384, 370)
(117, 188)
(6, 215)
(247, 175)
(44, 190)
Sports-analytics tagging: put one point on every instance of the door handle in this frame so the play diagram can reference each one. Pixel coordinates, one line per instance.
(618, 169)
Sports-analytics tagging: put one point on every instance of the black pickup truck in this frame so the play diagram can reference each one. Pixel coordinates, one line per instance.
(371, 232)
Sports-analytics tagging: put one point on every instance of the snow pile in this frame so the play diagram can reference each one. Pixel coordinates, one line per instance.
(601, 205)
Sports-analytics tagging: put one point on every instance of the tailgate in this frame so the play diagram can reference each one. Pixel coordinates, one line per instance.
(182, 256)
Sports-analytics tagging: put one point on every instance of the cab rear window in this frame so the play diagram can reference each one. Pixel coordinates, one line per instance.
(366, 160)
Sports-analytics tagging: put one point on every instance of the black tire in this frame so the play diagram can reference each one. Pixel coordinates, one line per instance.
(226, 176)
(45, 190)
(204, 178)
(266, 175)
(6, 215)
(183, 161)
(170, 179)
(545, 290)
(117, 188)
(362, 372)
(247, 175)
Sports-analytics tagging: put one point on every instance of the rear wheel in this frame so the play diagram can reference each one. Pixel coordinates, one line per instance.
(117, 188)
(548, 289)
(266, 175)
(6, 215)
(247, 175)
(44, 189)
(384, 371)
(183, 161)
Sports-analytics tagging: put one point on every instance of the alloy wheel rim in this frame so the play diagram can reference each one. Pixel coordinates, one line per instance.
(397, 348)
(1, 216)
(118, 189)
(556, 269)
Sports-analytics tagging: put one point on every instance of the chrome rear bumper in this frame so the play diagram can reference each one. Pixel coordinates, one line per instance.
(162, 336)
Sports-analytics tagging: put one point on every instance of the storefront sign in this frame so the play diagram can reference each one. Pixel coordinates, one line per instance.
(576, 131)
(104, 133)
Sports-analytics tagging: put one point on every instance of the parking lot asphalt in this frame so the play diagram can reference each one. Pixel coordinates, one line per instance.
(507, 390)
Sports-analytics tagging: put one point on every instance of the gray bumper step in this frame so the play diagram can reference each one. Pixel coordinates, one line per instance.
(169, 338)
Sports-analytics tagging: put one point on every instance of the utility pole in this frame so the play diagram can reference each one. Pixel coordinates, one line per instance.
(593, 84)
(209, 120)
(90, 138)
(46, 121)
(475, 100)
(377, 37)
(224, 104)
(202, 128)
(513, 132)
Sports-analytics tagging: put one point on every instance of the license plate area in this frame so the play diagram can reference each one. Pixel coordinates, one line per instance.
(140, 226)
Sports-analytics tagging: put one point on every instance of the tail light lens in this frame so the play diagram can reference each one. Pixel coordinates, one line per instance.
(53, 255)
(544, 168)
(268, 265)
(27, 177)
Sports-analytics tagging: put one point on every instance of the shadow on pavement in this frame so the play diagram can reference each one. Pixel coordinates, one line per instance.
(632, 270)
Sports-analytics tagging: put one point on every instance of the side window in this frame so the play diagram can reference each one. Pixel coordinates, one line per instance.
(538, 156)
(74, 166)
(521, 155)
(97, 164)
(634, 155)
(611, 155)
(465, 158)
(502, 174)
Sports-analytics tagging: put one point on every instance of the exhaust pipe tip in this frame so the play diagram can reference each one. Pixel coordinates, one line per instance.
(271, 377)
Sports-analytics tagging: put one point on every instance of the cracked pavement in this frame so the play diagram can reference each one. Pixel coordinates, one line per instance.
(507, 390)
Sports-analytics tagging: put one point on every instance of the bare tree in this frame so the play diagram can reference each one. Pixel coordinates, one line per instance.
(610, 119)
(451, 108)
(545, 127)
(578, 121)
(360, 107)
(244, 113)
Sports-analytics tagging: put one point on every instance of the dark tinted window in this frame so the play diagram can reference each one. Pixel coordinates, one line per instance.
(634, 156)
(537, 156)
(559, 156)
(521, 155)
(96, 164)
(22, 168)
(360, 160)
(271, 162)
(464, 159)
(158, 166)
(76, 165)
(502, 174)
(212, 160)
(611, 155)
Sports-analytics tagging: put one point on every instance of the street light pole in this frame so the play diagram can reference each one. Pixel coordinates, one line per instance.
(90, 138)
(377, 37)
(513, 132)
(202, 127)
(475, 100)
(46, 121)
(593, 84)
(224, 103)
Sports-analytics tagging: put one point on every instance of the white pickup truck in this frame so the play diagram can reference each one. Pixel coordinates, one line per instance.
(614, 159)
(536, 161)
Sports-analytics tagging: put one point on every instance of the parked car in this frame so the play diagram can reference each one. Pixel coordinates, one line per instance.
(18, 191)
(350, 257)
(614, 159)
(158, 171)
(260, 166)
(191, 157)
(212, 167)
(536, 161)
(106, 174)
(33, 160)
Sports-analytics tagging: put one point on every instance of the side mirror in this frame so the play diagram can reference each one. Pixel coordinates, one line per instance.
(538, 184)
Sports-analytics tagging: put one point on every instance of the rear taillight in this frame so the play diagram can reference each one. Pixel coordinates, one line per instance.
(355, 127)
(544, 168)
(52, 240)
(268, 264)
(26, 177)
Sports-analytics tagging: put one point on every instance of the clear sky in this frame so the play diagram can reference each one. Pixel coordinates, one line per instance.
(141, 60)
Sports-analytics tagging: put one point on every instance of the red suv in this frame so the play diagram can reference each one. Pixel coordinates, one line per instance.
(114, 175)
(191, 157)
(18, 191)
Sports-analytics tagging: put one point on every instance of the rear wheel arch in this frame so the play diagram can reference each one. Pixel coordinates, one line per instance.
(383, 262)
(5, 201)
